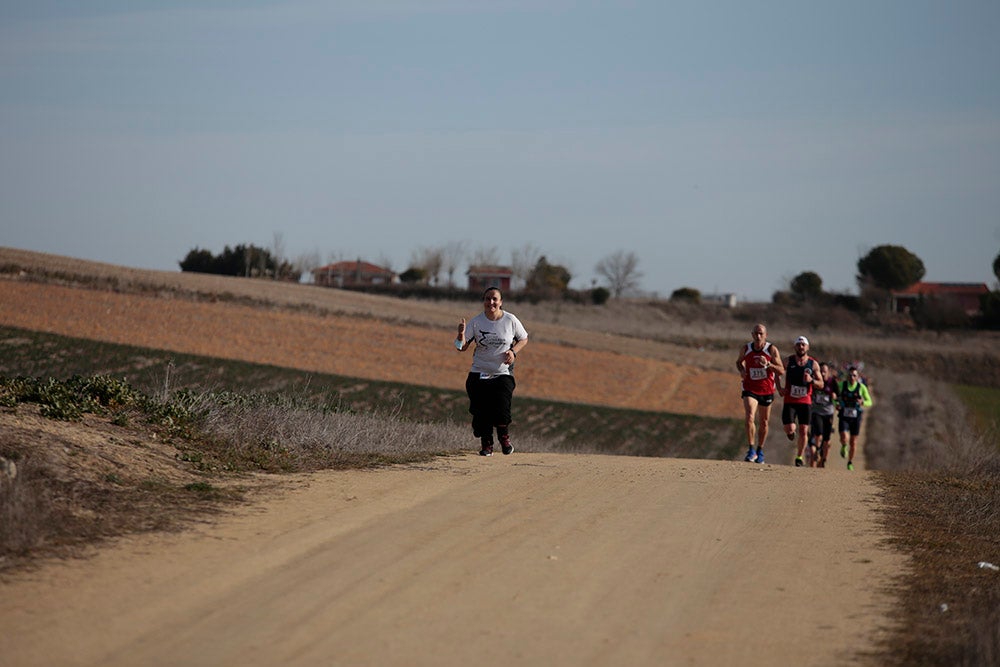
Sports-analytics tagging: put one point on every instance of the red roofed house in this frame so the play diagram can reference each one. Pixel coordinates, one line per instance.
(352, 274)
(966, 295)
(481, 277)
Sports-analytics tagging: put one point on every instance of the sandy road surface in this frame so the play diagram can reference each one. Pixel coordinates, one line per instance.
(532, 559)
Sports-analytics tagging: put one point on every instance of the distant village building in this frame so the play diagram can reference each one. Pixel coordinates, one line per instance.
(353, 274)
(966, 295)
(724, 300)
(481, 277)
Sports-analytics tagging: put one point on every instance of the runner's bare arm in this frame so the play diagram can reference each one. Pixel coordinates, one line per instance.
(818, 379)
(776, 363)
(460, 343)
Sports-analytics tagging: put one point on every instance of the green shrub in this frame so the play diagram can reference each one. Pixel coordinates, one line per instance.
(600, 295)
(105, 390)
(689, 294)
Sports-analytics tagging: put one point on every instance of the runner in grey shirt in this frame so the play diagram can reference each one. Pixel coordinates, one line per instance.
(824, 403)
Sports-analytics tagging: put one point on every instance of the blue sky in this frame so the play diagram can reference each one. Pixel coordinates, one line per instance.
(730, 145)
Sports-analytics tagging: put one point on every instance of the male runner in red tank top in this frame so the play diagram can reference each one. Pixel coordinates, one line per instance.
(758, 363)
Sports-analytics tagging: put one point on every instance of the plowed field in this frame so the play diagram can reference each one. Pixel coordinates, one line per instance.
(371, 347)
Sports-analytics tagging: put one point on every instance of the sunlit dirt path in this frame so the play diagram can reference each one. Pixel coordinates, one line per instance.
(531, 559)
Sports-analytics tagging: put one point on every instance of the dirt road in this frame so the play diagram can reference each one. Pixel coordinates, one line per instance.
(532, 559)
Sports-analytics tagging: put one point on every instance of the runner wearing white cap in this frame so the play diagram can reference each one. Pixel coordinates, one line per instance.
(802, 375)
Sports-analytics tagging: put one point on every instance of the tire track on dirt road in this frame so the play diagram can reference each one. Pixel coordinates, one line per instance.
(534, 559)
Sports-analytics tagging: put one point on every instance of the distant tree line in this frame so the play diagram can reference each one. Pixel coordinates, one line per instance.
(242, 260)
(882, 270)
(888, 268)
(543, 281)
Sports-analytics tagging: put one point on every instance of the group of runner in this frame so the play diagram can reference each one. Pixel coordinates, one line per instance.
(811, 392)
(810, 389)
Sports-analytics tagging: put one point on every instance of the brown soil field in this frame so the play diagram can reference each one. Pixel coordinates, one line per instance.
(30, 266)
(372, 347)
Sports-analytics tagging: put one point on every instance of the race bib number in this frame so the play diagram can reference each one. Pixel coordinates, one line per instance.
(758, 373)
(799, 391)
(850, 413)
(821, 399)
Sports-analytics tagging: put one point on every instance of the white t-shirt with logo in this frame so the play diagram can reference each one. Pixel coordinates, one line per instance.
(493, 339)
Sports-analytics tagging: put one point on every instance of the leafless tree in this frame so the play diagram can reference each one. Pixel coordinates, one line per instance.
(430, 260)
(334, 256)
(385, 262)
(277, 252)
(522, 262)
(485, 256)
(452, 255)
(621, 270)
(306, 263)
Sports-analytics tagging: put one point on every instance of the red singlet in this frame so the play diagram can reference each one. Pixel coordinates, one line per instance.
(756, 378)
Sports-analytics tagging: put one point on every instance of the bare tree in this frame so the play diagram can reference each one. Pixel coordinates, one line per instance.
(430, 260)
(452, 255)
(277, 252)
(307, 262)
(522, 262)
(485, 256)
(385, 262)
(334, 256)
(621, 269)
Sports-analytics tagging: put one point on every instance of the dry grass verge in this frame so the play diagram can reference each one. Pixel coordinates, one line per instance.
(68, 486)
(949, 524)
(91, 470)
(942, 486)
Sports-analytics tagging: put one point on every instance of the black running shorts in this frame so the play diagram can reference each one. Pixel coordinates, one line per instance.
(762, 399)
(796, 411)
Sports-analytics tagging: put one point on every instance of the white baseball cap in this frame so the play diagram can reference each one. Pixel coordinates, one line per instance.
(801, 339)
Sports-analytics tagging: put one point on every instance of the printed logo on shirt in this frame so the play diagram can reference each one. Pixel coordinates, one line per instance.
(490, 339)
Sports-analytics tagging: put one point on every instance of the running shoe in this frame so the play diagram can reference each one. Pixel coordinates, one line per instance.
(750, 457)
(850, 465)
(843, 451)
(487, 449)
(505, 445)
(799, 462)
(760, 455)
